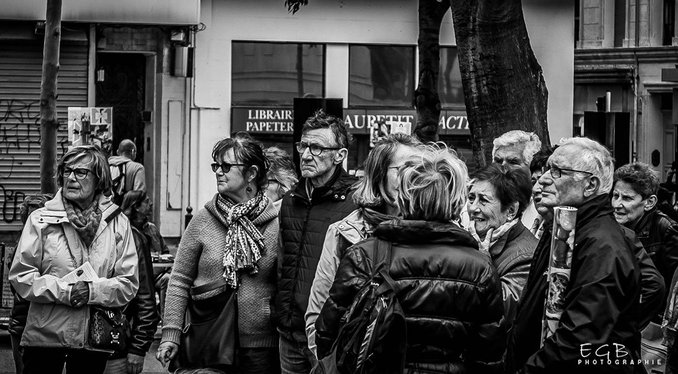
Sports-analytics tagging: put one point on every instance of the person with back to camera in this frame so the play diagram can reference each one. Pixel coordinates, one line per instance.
(229, 247)
(432, 259)
(78, 226)
(141, 312)
(375, 197)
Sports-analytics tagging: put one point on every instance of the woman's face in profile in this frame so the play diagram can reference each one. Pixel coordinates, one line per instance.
(401, 155)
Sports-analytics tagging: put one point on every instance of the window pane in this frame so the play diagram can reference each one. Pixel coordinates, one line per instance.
(275, 73)
(449, 79)
(381, 76)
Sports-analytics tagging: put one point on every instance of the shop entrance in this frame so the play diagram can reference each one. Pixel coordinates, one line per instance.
(121, 84)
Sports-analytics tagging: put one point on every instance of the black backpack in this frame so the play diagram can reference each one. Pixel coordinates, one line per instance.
(373, 336)
(118, 182)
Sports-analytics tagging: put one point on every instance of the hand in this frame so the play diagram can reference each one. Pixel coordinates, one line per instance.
(79, 294)
(166, 352)
(135, 363)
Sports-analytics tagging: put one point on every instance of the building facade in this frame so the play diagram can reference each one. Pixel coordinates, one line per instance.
(113, 54)
(253, 58)
(182, 74)
(622, 47)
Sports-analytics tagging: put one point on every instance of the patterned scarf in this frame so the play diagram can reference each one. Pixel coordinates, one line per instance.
(85, 222)
(244, 242)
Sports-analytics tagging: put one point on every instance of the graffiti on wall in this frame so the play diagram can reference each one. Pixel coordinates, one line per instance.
(19, 136)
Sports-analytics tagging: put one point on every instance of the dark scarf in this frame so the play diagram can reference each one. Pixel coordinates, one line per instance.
(374, 217)
(244, 242)
(85, 221)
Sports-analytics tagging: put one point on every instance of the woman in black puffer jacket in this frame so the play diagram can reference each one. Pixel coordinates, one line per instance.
(452, 299)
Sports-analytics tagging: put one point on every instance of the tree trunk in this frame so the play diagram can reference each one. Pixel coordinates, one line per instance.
(426, 99)
(48, 96)
(503, 84)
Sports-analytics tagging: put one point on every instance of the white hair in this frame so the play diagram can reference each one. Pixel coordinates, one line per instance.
(594, 158)
(432, 186)
(529, 139)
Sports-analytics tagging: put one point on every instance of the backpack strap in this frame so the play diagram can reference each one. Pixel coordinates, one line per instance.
(113, 214)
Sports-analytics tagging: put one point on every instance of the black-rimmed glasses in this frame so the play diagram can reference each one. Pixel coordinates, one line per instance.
(557, 172)
(315, 149)
(225, 167)
(79, 173)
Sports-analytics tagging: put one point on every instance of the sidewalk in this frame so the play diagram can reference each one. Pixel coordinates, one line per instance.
(151, 365)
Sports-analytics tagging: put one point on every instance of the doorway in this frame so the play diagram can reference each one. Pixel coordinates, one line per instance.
(121, 84)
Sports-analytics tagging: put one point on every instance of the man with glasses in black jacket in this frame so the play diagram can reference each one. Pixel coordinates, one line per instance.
(321, 198)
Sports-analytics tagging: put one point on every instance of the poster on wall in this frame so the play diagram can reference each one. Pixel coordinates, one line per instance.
(90, 125)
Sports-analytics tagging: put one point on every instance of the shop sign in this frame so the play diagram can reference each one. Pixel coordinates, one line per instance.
(263, 120)
(360, 121)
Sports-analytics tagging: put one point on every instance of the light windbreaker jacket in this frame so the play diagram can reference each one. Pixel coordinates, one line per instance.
(42, 258)
(340, 235)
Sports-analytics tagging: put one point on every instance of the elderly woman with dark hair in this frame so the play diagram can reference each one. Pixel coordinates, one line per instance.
(229, 247)
(281, 175)
(497, 198)
(449, 291)
(375, 197)
(79, 226)
(634, 199)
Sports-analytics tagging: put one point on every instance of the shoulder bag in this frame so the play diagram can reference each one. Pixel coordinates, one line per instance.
(209, 337)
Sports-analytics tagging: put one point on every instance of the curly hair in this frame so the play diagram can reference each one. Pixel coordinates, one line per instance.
(640, 176)
(433, 187)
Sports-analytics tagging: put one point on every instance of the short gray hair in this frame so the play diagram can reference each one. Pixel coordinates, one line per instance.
(530, 139)
(432, 187)
(594, 158)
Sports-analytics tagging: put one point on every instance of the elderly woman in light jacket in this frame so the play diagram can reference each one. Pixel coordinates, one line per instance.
(375, 197)
(79, 225)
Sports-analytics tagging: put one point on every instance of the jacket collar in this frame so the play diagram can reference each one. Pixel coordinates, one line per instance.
(410, 231)
(336, 188)
(646, 219)
(596, 207)
(55, 207)
(509, 237)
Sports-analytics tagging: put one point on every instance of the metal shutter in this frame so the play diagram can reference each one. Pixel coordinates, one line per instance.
(20, 76)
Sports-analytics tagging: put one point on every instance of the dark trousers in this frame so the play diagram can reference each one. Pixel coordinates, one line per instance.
(15, 339)
(40, 360)
(248, 361)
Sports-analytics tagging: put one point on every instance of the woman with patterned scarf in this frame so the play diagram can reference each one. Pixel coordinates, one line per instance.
(232, 244)
(497, 199)
(79, 227)
(375, 196)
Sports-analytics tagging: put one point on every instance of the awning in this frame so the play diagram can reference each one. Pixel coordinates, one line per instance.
(161, 12)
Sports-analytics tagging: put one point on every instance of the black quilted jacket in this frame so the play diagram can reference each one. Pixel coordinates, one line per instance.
(303, 224)
(451, 297)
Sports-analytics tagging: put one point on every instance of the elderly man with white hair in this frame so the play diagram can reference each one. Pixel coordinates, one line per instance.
(601, 309)
(516, 148)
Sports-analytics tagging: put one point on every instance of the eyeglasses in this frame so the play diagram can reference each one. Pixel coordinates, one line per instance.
(225, 167)
(557, 172)
(79, 173)
(316, 150)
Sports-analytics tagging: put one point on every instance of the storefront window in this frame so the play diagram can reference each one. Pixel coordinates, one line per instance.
(381, 76)
(275, 73)
(449, 79)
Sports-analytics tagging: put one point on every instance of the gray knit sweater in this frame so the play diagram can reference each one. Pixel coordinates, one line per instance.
(199, 261)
